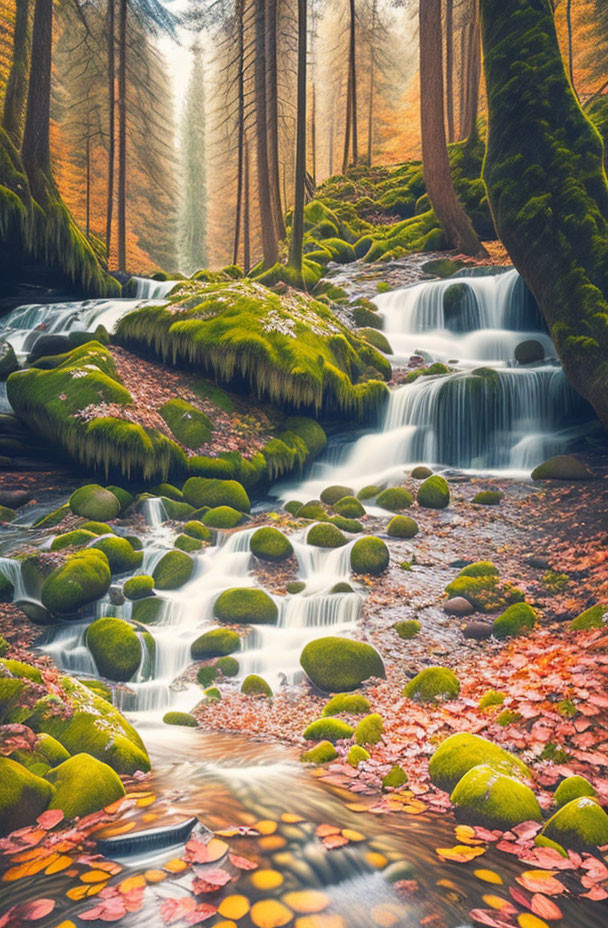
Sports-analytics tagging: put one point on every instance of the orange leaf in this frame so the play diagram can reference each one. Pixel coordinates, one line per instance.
(61, 863)
(94, 876)
(461, 853)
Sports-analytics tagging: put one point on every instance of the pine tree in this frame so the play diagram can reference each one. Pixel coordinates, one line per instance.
(193, 193)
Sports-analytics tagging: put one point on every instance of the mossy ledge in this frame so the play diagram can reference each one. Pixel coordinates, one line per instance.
(287, 348)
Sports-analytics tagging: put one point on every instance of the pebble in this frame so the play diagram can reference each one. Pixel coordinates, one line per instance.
(458, 606)
(477, 630)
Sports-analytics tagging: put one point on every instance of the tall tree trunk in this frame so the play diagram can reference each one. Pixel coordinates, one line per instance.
(297, 226)
(122, 136)
(36, 149)
(246, 222)
(269, 240)
(330, 154)
(241, 129)
(88, 183)
(353, 68)
(111, 124)
(272, 116)
(370, 115)
(570, 45)
(313, 131)
(449, 67)
(456, 225)
(468, 122)
(464, 44)
(16, 86)
(349, 97)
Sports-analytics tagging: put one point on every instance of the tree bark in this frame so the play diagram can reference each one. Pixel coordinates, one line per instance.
(272, 116)
(35, 149)
(348, 121)
(88, 184)
(246, 223)
(449, 67)
(457, 226)
(353, 69)
(370, 115)
(111, 124)
(570, 45)
(269, 240)
(122, 136)
(473, 76)
(16, 86)
(297, 226)
(241, 129)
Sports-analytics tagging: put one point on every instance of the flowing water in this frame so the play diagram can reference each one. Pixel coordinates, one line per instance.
(504, 418)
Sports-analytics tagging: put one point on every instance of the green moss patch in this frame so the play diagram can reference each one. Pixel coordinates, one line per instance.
(120, 554)
(23, 796)
(325, 535)
(215, 643)
(434, 493)
(269, 544)
(115, 648)
(191, 427)
(488, 498)
(369, 730)
(570, 788)
(432, 685)
(138, 587)
(328, 729)
(83, 785)
(408, 629)
(173, 570)
(346, 704)
(349, 507)
(395, 778)
(245, 606)
(222, 517)
(394, 499)
(205, 491)
(483, 796)
(594, 617)
(253, 685)
(357, 755)
(369, 556)
(581, 824)
(515, 620)
(402, 527)
(332, 494)
(180, 718)
(93, 502)
(83, 578)
(322, 753)
(338, 665)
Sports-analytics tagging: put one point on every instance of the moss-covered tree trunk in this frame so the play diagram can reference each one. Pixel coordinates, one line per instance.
(16, 86)
(269, 240)
(36, 149)
(547, 186)
(272, 99)
(297, 228)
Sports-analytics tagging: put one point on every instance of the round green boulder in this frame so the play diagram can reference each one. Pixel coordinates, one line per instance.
(331, 495)
(595, 617)
(76, 539)
(269, 544)
(229, 666)
(394, 499)
(97, 528)
(483, 796)
(434, 493)
(215, 643)
(488, 498)
(349, 508)
(339, 665)
(253, 685)
(312, 510)
(325, 535)
(407, 629)
(187, 543)
(245, 606)
(369, 730)
(328, 729)
(462, 751)
(369, 492)
(180, 718)
(123, 496)
(395, 778)
(84, 577)
(515, 620)
(83, 785)
(562, 467)
(173, 570)
(198, 530)
(209, 491)
(402, 527)
(581, 824)
(222, 517)
(353, 526)
(346, 703)
(23, 796)
(369, 556)
(138, 587)
(119, 552)
(115, 647)
(322, 753)
(421, 472)
(572, 788)
(94, 502)
(433, 684)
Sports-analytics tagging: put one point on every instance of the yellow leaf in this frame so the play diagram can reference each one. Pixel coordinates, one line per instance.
(465, 834)
(146, 801)
(66, 924)
(94, 876)
(175, 866)
(266, 879)
(61, 863)
(461, 854)
(318, 921)
(488, 876)
(307, 901)
(270, 913)
(387, 915)
(272, 842)
(527, 920)
(290, 818)
(376, 860)
(76, 893)
(233, 907)
(266, 827)
(131, 882)
(496, 902)
(155, 876)
(352, 835)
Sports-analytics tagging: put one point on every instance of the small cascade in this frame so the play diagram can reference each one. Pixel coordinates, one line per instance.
(148, 289)
(154, 512)
(11, 570)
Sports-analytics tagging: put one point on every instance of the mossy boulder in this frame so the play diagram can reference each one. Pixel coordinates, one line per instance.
(222, 517)
(369, 730)
(483, 796)
(570, 788)
(21, 669)
(48, 752)
(377, 339)
(480, 585)
(229, 666)
(177, 510)
(292, 506)
(173, 570)
(346, 704)
(295, 587)
(189, 425)
(395, 778)
(491, 698)
(94, 502)
(138, 587)
(515, 620)
(254, 685)
(180, 718)
(408, 629)
(313, 509)
(369, 492)
(206, 675)
(325, 535)
(269, 544)
(339, 665)
(123, 496)
(8, 359)
(369, 555)
(328, 729)
(115, 648)
(349, 507)
(23, 796)
(212, 694)
(402, 527)
(168, 490)
(187, 543)
(562, 467)
(322, 753)
(217, 642)
(119, 552)
(352, 526)
(581, 824)
(462, 751)
(245, 606)
(196, 529)
(209, 491)
(11, 689)
(395, 499)
(357, 755)
(432, 685)
(595, 617)
(146, 610)
(83, 785)
(331, 495)
(83, 578)
(479, 569)
(421, 472)
(97, 528)
(434, 493)
(488, 498)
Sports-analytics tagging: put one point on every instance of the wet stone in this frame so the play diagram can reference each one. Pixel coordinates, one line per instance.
(458, 606)
(538, 562)
(477, 630)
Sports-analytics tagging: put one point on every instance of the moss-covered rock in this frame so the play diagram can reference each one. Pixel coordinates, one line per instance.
(84, 577)
(434, 493)
(245, 606)
(369, 730)
(229, 666)
(377, 339)
(562, 467)
(119, 552)
(328, 729)
(83, 785)
(594, 617)
(168, 490)
(8, 359)
(349, 507)
(115, 648)
(207, 491)
(47, 753)
(138, 587)
(325, 535)
(480, 585)
(253, 685)
(460, 752)
(212, 694)
(180, 718)
(402, 527)
(433, 684)
(23, 796)
(352, 526)
(196, 529)
(573, 787)
(177, 510)
(206, 675)
(491, 698)
(488, 498)
(292, 506)
(146, 610)
(515, 620)
(270, 544)
(357, 755)
(322, 753)
(339, 665)
(346, 704)
(483, 796)
(94, 502)
(395, 499)
(408, 629)
(395, 778)
(76, 539)
(187, 543)
(21, 669)
(581, 824)
(369, 492)
(173, 570)
(312, 510)
(222, 517)
(369, 555)
(123, 496)
(191, 427)
(479, 569)
(421, 472)
(295, 587)
(333, 494)
(10, 691)
(217, 642)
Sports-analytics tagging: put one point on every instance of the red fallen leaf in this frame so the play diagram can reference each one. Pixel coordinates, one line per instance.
(323, 830)
(32, 911)
(596, 894)
(210, 881)
(173, 910)
(331, 842)
(546, 858)
(243, 863)
(527, 830)
(201, 913)
(541, 881)
(488, 917)
(545, 908)
(50, 818)
(485, 835)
